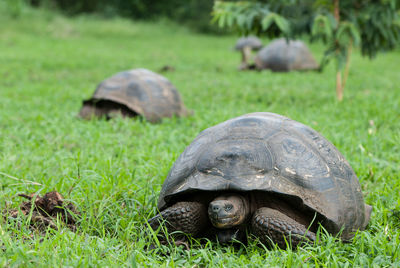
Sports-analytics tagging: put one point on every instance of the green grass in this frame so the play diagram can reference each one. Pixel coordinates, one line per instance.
(113, 170)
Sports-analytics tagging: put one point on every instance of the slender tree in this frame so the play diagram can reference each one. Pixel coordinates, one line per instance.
(372, 25)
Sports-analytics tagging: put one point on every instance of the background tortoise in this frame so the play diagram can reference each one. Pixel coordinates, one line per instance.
(134, 92)
(245, 45)
(265, 171)
(282, 55)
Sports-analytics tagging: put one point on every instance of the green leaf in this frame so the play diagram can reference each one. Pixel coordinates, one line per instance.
(267, 21)
(240, 20)
(229, 20)
(282, 23)
(273, 18)
(347, 33)
(221, 20)
(322, 27)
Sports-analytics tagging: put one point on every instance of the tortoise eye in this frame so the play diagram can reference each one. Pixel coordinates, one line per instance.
(228, 207)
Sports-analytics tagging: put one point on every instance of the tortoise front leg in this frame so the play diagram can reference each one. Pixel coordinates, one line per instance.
(271, 225)
(188, 217)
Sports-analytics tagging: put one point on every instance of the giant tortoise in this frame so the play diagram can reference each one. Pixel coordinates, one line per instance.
(282, 55)
(135, 92)
(265, 174)
(245, 45)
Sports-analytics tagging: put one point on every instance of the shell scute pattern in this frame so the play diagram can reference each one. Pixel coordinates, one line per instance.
(310, 169)
(134, 90)
(232, 158)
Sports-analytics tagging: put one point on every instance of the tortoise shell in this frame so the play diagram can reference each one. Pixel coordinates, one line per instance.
(142, 92)
(249, 41)
(282, 55)
(270, 153)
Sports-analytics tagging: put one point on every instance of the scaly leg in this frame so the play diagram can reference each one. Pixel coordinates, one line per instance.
(187, 217)
(271, 225)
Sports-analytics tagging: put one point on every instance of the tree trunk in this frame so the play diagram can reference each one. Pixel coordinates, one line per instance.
(346, 70)
(339, 87)
(336, 11)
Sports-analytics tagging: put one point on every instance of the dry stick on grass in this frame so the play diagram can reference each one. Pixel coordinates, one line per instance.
(21, 180)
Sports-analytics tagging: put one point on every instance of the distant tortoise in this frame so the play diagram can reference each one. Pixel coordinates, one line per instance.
(245, 45)
(282, 56)
(135, 92)
(268, 174)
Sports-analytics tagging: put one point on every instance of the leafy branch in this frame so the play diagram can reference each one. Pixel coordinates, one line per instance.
(371, 25)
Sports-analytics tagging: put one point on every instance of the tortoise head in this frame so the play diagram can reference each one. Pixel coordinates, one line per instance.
(227, 211)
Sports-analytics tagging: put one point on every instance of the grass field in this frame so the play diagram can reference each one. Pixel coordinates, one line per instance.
(113, 170)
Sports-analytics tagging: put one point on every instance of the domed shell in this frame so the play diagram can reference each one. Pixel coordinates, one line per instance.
(143, 92)
(282, 55)
(249, 41)
(270, 153)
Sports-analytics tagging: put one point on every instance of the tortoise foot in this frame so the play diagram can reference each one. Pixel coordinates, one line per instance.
(272, 226)
(186, 217)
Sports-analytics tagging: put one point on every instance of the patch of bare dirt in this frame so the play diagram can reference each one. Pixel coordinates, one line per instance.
(46, 210)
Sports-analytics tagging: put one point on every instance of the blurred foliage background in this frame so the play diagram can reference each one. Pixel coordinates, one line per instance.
(193, 13)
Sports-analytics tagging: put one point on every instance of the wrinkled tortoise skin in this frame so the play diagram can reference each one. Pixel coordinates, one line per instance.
(269, 153)
(142, 92)
(282, 56)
